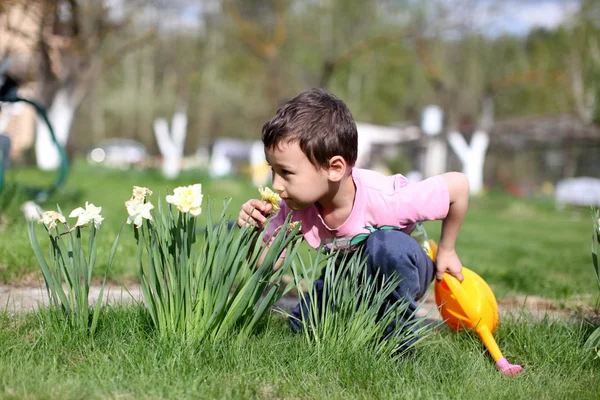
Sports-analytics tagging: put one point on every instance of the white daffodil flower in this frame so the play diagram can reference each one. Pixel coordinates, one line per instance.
(49, 218)
(32, 211)
(187, 199)
(91, 213)
(138, 211)
(270, 197)
(140, 193)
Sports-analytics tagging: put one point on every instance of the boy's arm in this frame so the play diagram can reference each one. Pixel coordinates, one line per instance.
(458, 191)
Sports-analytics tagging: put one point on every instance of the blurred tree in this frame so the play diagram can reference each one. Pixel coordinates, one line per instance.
(72, 50)
(387, 59)
(262, 27)
(583, 62)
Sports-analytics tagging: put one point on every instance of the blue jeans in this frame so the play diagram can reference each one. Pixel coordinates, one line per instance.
(390, 252)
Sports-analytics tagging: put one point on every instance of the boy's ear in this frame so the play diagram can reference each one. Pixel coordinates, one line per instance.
(337, 168)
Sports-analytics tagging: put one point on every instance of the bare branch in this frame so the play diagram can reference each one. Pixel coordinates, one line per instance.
(279, 32)
(528, 77)
(135, 43)
(250, 34)
(595, 50)
(355, 51)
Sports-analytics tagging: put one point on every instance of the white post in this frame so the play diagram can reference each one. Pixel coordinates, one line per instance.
(472, 157)
(171, 144)
(60, 115)
(436, 149)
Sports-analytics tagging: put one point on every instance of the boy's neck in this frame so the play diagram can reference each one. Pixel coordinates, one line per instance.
(337, 206)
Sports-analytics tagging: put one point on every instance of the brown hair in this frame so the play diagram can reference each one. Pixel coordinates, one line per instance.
(319, 122)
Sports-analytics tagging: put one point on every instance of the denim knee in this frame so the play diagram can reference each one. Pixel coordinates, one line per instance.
(395, 252)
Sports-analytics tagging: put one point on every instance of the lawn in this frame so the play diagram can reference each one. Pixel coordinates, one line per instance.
(125, 361)
(519, 247)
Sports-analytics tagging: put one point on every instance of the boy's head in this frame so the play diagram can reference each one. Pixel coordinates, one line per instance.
(319, 122)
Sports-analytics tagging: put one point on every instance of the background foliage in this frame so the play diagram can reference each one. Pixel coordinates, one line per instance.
(231, 62)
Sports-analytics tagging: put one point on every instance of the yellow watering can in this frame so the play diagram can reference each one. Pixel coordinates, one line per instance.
(471, 304)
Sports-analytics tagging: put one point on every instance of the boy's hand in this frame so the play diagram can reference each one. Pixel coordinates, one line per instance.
(447, 261)
(254, 212)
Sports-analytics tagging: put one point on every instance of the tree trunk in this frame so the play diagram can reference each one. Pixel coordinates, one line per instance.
(435, 156)
(60, 115)
(472, 157)
(171, 145)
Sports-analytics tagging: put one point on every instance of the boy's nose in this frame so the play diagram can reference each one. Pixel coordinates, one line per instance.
(277, 185)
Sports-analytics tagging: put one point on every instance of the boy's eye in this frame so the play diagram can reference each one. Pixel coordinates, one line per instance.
(285, 172)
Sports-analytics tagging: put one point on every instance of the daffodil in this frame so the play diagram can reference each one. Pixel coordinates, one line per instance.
(270, 197)
(49, 218)
(138, 211)
(292, 225)
(91, 213)
(187, 199)
(140, 193)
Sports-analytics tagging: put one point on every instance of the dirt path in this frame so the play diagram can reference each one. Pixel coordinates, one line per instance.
(26, 298)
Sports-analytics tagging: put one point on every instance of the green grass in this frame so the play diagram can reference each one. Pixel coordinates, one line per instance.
(520, 247)
(528, 247)
(37, 360)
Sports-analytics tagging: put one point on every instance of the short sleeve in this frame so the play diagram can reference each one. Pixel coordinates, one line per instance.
(426, 200)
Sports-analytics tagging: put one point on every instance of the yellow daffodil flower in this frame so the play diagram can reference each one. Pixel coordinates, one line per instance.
(270, 197)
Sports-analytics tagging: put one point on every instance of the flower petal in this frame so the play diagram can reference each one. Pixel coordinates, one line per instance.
(76, 212)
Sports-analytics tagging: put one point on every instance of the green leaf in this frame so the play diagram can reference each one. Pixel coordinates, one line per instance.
(111, 256)
(53, 287)
(595, 241)
(593, 342)
(355, 311)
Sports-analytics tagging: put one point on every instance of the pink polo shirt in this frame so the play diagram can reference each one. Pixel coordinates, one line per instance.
(380, 200)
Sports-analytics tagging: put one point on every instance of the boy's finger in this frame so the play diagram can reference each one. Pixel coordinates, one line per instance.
(249, 208)
(257, 204)
(459, 276)
(439, 275)
(257, 215)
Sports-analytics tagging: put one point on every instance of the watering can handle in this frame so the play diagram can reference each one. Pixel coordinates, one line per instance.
(461, 296)
(453, 284)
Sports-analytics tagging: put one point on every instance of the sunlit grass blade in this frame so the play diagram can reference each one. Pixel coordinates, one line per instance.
(99, 300)
(53, 286)
(352, 311)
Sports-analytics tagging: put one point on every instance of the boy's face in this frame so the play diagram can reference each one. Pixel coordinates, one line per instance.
(299, 183)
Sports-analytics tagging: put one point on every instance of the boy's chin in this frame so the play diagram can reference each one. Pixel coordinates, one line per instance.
(297, 207)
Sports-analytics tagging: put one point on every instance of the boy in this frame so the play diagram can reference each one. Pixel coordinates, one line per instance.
(311, 145)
